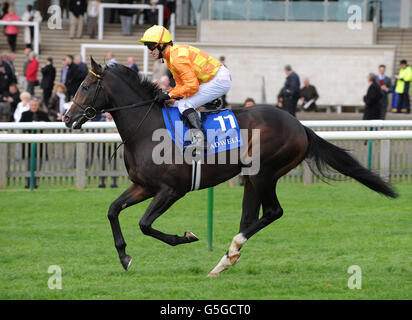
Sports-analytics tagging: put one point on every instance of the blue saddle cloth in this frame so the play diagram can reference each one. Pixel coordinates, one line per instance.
(222, 130)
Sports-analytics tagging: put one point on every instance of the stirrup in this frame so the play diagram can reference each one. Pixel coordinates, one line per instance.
(198, 144)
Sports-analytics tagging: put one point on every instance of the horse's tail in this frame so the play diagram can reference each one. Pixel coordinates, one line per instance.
(327, 154)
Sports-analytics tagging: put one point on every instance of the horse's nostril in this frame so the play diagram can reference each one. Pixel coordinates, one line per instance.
(66, 118)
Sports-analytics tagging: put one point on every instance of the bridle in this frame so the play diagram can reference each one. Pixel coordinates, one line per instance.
(90, 112)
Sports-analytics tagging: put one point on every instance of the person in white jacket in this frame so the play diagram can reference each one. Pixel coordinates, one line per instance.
(30, 15)
(22, 106)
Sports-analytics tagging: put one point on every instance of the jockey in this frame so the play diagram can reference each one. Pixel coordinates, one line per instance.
(199, 77)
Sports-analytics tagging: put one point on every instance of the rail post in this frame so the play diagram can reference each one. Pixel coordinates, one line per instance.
(210, 219)
(33, 151)
(81, 165)
(307, 174)
(385, 160)
(370, 142)
(4, 148)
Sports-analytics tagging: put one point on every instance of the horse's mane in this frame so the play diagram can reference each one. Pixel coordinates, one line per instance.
(132, 78)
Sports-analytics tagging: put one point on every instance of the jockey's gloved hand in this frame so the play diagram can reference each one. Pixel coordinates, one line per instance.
(162, 97)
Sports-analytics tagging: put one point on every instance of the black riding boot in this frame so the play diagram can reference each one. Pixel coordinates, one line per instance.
(199, 140)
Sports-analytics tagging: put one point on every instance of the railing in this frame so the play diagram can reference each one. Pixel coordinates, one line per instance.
(308, 123)
(36, 25)
(145, 71)
(126, 6)
(78, 158)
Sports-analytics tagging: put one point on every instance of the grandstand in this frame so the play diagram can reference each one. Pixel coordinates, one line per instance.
(259, 37)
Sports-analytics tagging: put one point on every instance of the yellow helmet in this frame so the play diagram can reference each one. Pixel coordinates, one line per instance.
(156, 34)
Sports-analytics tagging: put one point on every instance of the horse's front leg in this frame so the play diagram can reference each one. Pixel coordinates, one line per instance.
(162, 201)
(134, 194)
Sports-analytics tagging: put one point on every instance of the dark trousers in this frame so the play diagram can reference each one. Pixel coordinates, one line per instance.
(12, 39)
(404, 100)
(30, 87)
(46, 95)
(289, 105)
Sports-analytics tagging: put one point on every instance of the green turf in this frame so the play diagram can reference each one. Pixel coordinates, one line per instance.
(304, 255)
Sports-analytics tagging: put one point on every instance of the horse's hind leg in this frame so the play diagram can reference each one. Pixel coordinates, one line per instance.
(250, 214)
(134, 194)
(162, 201)
(271, 211)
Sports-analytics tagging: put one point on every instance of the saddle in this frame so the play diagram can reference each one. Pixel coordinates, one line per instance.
(213, 106)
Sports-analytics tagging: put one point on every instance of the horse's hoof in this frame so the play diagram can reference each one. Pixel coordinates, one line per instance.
(213, 275)
(126, 262)
(235, 258)
(190, 236)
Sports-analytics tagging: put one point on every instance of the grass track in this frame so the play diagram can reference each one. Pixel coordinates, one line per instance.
(304, 255)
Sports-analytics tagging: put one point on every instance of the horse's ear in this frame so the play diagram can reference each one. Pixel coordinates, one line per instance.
(97, 68)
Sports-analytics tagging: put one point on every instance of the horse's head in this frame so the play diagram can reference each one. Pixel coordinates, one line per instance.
(89, 99)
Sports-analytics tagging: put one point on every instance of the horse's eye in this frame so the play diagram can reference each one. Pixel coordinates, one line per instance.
(85, 88)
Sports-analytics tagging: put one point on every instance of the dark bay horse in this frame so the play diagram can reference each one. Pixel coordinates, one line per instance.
(283, 143)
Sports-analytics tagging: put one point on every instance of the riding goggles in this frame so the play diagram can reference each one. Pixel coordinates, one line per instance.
(151, 45)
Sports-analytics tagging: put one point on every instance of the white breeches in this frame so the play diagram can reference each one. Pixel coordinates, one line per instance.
(209, 91)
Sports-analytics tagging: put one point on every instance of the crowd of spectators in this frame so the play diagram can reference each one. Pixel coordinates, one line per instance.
(376, 100)
(73, 70)
(56, 88)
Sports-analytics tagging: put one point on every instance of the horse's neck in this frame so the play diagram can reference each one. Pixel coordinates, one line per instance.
(137, 122)
(133, 124)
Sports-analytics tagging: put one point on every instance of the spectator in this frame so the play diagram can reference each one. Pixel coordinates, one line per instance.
(169, 8)
(65, 68)
(34, 113)
(26, 63)
(11, 31)
(12, 96)
(308, 96)
(126, 18)
(373, 99)
(64, 6)
(403, 82)
(132, 65)
(47, 82)
(110, 57)
(11, 56)
(249, 102)
(81, 67)
(92, 14)
(385, 84)
(5, 113)
(22, 106)
(72, 78)
(153, 12)
(291, 91)
(33, 16)
(279, 104)
(5, 8)
(77, 10)
(9, 68)
(113, 13)
(6, 76)
(56, 107)
(31, 73)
